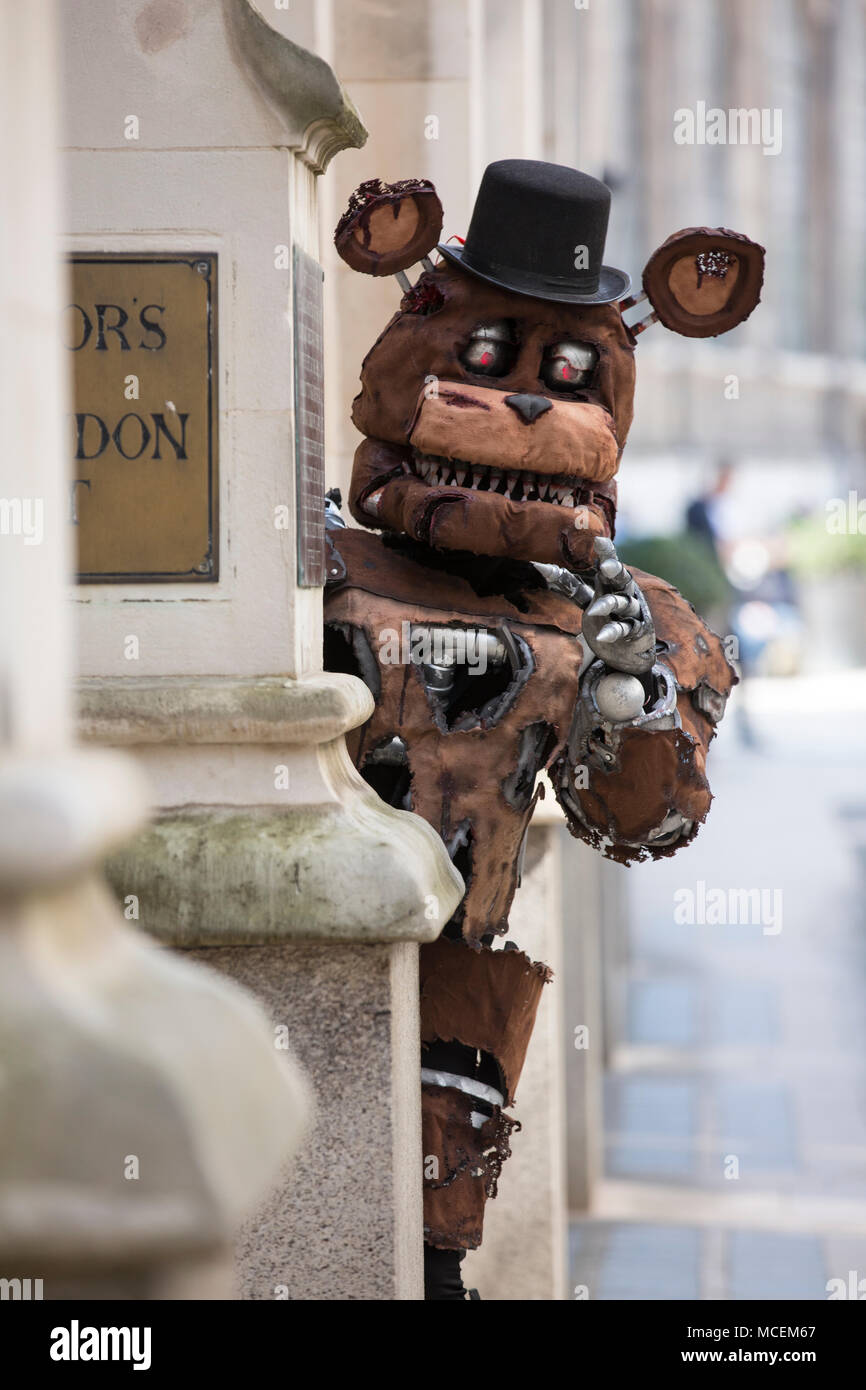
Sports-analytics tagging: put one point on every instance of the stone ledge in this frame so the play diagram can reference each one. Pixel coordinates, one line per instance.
(220, 709)
(299, 85)
(221, 876)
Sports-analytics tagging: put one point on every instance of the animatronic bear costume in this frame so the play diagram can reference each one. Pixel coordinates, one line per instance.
(495, 407)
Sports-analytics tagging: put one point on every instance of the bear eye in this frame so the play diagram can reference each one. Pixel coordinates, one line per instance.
(491, 349)
(567, 365)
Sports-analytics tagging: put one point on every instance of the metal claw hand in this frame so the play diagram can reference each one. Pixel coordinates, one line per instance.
(616, 619)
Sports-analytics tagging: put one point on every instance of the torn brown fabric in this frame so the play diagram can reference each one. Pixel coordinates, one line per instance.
(475, 422)
(484, 999)
(654, 772)
(389, 572)
(486, 523)
(702, 281)
(692, 650)
(463, 778)
(389, 226)
(417, 398)
(475, 780)
(513, 530)
(413, 347)
(461, 1165)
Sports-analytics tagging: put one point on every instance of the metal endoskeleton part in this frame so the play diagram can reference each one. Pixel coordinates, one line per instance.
(599, 695)
(479, 1090)
(392, 754)
(595, 737)
(619, 697)
(454, 647)
(617, 620)
(333, 517)
(559, 580)
(710, 703)
(598, 730)
(673, 827)
(460, 656)
(476, 640)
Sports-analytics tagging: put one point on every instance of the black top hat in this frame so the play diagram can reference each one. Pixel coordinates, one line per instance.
(530, 225)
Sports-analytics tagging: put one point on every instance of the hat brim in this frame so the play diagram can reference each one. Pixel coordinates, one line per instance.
(612, 284)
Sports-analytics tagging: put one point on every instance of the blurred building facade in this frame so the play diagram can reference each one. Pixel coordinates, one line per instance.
(446, 87)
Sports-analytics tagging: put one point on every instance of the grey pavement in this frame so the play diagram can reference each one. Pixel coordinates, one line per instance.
(735, 1102)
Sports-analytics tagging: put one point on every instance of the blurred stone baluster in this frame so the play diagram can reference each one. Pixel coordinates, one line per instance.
(143, 1105)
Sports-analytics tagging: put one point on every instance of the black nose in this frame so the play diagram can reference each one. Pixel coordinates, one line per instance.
(529, 407)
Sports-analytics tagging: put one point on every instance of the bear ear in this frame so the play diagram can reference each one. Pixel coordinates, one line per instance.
(389, 226)
(703, 281)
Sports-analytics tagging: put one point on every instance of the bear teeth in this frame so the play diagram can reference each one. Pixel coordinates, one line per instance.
(518, 486)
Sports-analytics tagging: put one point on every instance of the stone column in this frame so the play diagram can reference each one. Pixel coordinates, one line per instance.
(269, 856)
(319, 908)
(143, 1107)
(347, 1223)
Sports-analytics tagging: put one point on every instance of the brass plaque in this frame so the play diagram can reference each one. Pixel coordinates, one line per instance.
(141, 331)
